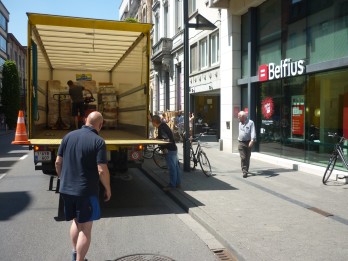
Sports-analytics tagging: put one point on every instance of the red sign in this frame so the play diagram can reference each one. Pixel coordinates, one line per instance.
(263, 73)
(286, 68)
(267, 108)
(298, 119)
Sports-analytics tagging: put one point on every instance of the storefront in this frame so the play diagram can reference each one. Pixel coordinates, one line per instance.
(298, 75)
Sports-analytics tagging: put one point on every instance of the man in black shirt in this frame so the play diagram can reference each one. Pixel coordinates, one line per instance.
(77, 106)
(81, 163)
(165, 133)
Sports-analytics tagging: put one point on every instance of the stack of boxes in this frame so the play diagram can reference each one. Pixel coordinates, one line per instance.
(107, 104)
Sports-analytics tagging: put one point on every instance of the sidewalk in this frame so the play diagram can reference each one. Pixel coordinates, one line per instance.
(277, 213)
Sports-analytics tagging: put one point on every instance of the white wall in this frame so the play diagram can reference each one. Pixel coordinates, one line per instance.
(230, 71)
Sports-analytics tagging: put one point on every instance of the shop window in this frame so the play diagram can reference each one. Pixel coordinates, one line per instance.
(282, 118)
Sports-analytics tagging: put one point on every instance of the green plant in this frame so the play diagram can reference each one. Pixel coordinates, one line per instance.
(131, 20)
(10, 93)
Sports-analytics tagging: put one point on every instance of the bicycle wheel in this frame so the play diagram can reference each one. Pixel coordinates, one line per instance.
(330, 167)
(148, 151)
(205, 164)
(159, 157)
(193, 161)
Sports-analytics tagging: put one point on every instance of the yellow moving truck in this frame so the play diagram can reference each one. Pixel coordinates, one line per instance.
(109, 58)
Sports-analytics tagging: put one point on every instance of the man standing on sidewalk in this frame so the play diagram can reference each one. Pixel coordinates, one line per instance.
(246, 138)
(81, 163)
(165, 133)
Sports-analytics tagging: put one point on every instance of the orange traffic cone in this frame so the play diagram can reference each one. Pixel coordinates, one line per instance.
(21, 137)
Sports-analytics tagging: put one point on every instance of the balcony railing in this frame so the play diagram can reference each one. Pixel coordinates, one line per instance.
(161, 48)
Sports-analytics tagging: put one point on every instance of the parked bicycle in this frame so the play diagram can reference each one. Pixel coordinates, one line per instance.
(338, 152)
(156, 153)
(199, 156)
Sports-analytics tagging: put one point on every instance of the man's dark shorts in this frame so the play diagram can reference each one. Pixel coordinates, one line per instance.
(78, 107)
(84, 209)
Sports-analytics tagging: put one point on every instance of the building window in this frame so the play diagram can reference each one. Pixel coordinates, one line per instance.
(214, 48)
(156, 36)
(166, 21)
(191, 6)
(144, 16)
(3, 23)
(16, 58)
(203, 53)
(178, 16)
(3, 44)
(179, 89)
(19, 65)
(193, 59)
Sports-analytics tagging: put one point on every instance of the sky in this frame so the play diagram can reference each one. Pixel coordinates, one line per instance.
(100, 9)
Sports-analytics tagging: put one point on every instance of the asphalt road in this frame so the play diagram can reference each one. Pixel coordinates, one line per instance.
(140, 218)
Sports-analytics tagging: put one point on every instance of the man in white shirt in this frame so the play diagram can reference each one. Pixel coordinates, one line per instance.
(246, 138)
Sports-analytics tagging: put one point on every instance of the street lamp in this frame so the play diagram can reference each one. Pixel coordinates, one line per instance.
(201, 24)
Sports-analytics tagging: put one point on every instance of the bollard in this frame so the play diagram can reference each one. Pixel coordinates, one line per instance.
(221, 144)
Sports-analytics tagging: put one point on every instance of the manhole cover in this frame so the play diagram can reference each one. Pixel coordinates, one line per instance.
(144, 257)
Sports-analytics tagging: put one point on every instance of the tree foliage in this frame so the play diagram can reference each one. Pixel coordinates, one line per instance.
(10, 96)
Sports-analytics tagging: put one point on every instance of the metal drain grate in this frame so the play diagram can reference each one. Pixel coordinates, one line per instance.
(224, 255)
(144, 257)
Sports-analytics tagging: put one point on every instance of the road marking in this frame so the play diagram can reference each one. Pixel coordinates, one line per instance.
(2, 175)
(19, 151)
(23, 157)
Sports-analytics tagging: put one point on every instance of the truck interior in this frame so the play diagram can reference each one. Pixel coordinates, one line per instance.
(109, 58)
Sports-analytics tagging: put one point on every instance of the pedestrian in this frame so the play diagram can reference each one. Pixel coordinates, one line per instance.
(191, 121)
(246, 138)
(164, 117)
(165, 133)
(77, 106)
(179, 123)
(81, 163)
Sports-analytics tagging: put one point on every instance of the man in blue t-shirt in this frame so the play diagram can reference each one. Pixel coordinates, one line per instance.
(81, 163)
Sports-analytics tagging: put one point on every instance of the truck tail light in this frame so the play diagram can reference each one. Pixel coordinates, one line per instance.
(37, 148)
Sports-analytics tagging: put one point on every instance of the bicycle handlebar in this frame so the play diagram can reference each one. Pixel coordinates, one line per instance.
(335, 135)
(195, 139)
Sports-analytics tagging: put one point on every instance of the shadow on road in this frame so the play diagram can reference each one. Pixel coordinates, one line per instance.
(8, 209)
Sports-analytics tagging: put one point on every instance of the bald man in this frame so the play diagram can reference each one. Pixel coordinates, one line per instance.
(81, 163)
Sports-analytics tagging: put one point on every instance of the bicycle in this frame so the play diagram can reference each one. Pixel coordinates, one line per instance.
(199, 156)
(337, 152)
(157, 154)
